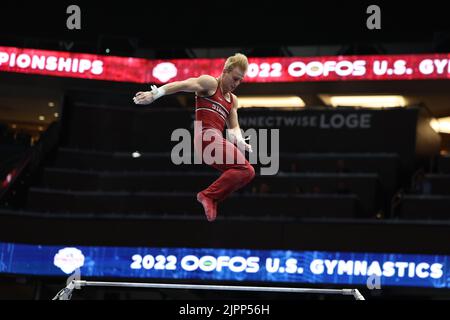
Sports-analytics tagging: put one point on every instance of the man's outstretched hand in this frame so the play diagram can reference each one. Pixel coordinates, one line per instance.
(145, 97)
(148, 97)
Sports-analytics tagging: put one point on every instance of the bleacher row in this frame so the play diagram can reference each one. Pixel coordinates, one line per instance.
(98, 182)
(80, 179)
(429, 195)
(307, 186)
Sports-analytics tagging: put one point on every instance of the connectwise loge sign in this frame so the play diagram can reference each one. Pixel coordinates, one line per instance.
(292, 69)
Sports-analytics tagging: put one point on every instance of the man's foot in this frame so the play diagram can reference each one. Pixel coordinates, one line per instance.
(210, 206)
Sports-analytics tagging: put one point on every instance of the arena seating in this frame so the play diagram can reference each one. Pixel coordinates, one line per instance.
(93, 171)
(429, 196)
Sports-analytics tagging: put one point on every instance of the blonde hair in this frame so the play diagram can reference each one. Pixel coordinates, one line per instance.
(238, 60)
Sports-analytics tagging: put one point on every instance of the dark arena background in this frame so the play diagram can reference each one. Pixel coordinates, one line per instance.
(348, 112)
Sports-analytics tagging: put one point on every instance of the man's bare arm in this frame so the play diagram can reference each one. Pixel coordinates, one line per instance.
(203, 83)
(234, 129)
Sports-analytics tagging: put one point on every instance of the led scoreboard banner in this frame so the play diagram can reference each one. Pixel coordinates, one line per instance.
(316, 267)
(281, 69)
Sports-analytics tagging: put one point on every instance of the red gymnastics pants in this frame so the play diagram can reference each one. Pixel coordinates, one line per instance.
(234, 175)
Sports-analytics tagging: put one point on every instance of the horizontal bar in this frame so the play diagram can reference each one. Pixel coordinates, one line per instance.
(80, 283)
